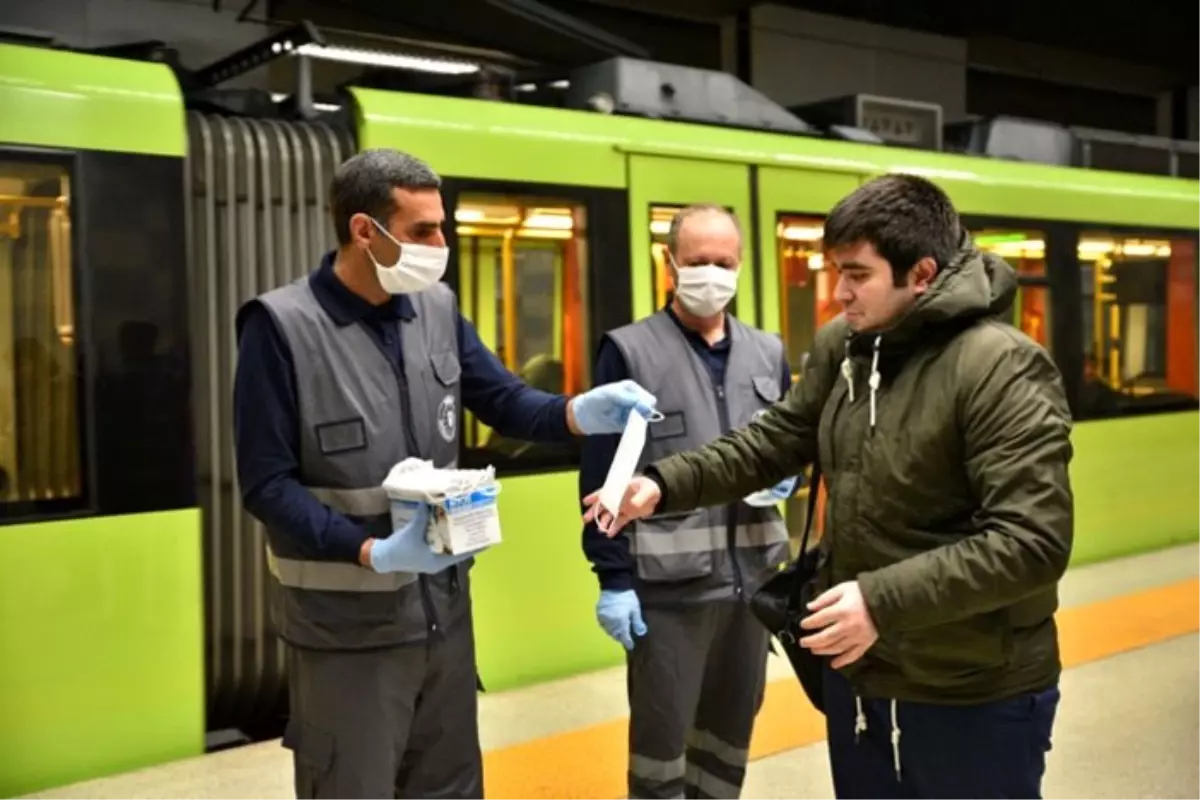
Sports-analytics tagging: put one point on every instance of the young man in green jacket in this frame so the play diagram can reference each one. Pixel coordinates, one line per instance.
(944, 436)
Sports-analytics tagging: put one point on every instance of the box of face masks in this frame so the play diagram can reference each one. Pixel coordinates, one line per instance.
(464, 510)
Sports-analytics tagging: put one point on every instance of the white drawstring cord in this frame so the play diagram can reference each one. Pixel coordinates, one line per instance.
(860, 725)
(896, 739)
(874, 380)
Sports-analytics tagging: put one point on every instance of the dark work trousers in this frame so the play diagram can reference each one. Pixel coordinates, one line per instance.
(916, 750)
(395, 722)
(695, 684)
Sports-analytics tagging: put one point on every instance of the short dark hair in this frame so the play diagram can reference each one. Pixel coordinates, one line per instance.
(689, 211)
(905, 218)
(363, 184)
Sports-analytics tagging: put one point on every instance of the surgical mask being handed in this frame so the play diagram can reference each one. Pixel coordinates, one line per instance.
(419, 266)
(705, 290)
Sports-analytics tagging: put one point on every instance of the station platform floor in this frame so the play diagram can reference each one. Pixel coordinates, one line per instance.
(1128, 725)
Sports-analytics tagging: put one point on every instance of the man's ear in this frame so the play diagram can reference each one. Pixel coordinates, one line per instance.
(922, 274)
(361, 229)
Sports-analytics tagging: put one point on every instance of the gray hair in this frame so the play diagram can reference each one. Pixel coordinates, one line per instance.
(363, 184)
(692, 210)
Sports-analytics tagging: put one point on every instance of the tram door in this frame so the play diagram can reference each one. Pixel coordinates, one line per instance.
(798, 289)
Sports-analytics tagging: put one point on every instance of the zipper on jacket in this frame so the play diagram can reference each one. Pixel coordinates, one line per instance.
(731, 514)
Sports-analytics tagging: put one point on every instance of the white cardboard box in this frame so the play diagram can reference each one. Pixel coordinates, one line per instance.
(460, 524)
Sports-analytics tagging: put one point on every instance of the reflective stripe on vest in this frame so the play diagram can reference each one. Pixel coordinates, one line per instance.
(697, 540)
(334, 576)
(337, 576)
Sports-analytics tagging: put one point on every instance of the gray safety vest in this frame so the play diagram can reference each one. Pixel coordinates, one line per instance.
(709, 553)
(359, 416)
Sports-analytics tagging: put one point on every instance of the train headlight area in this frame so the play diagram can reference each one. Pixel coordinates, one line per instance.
(137, 213)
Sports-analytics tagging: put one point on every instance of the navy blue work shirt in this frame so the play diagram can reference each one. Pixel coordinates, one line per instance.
(611, 559)
(266, 415)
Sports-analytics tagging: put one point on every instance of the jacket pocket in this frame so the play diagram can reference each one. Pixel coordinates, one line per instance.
(959, 653)
(675, 547)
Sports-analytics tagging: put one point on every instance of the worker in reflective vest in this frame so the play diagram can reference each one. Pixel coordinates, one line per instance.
(673, 588)
(340, 376)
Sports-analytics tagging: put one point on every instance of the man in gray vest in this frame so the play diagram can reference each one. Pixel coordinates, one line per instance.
(340, 376)
(679, 582)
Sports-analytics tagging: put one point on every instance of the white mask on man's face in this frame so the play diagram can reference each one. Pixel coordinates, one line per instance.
(419, 266)
(705, 290)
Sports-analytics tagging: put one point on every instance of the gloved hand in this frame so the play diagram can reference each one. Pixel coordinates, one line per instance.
(618, 612)
(769, 497)
(605, 409)
(406, 550)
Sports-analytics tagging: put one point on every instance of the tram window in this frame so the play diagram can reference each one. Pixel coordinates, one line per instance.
(39, 414)
(1139, 320)
(806, 289)
(523, 263)
(1025, 251)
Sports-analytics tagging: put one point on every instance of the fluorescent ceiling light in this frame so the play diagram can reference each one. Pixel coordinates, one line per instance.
(377, 58)
(279, 97)
(802, 233)
(554, 221)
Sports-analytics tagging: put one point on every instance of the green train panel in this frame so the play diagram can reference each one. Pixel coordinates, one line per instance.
(101, 618)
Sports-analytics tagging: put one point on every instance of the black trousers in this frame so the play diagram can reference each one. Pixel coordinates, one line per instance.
(397, 722)
(916, 750)
(695, 684)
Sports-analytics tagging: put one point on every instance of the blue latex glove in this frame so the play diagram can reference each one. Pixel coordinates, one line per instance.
(776, 494)
(406, 550)
(606, 408)
(618, 612)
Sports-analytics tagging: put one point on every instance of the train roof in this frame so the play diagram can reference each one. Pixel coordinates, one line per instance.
(58, 98)
(509, 141)
(64, 99)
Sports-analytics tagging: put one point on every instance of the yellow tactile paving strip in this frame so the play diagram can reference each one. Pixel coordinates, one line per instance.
(590, 762)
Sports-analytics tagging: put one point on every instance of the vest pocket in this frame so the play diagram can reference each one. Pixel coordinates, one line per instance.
(446, 367)
(675, 547)
(767, 387)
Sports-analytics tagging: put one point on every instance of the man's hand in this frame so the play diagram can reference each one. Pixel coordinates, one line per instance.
(641, 498)
(407, 550)
(847, 629)
(605, 409)
(620, 615)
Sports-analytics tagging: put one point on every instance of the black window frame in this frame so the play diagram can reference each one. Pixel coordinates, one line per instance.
(84, 505)
(1147, 406)
(609, 290)
(1064, 278)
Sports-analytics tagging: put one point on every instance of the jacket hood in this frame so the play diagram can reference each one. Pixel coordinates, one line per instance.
(974, 285)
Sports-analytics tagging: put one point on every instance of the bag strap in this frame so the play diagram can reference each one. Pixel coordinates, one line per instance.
(814, 487)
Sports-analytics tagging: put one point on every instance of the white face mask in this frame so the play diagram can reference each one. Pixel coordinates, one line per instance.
(623, 467)
(419, 266)
(705, 290)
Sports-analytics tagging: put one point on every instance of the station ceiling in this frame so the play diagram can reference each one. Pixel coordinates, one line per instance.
(687, 31)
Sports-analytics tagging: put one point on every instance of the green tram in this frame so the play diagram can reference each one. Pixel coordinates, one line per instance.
(131, 228)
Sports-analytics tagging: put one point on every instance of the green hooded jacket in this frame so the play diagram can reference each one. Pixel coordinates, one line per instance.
(948, 494)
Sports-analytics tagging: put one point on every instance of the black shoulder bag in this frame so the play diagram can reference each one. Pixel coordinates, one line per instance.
(783, 601)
